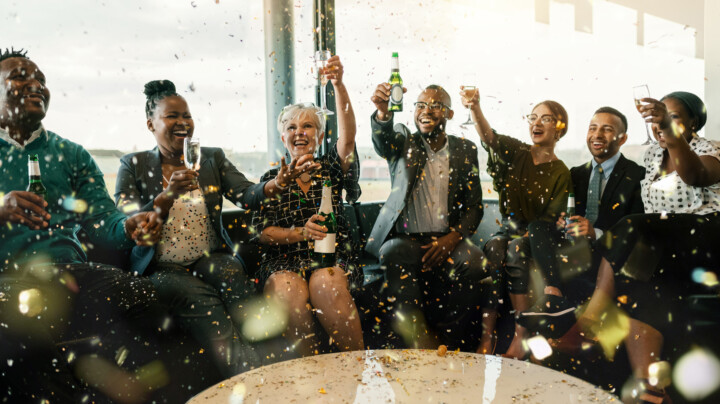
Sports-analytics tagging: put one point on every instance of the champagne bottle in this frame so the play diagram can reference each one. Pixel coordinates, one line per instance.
(396, 92)
(35, 184)
(324, 254)
(569, 212)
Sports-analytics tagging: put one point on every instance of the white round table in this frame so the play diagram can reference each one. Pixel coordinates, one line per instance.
(403, 376)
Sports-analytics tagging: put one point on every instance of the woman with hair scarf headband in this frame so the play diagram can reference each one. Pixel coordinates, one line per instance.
(649, 259)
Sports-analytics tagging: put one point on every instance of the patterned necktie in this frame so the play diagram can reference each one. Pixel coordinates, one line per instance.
(593, 197)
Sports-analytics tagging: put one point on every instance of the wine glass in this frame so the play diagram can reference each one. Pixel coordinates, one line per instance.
(640, 92)
(321, 58)
(191, 153)
(471, 90)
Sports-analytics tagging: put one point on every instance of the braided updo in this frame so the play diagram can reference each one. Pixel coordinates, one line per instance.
(156, 91)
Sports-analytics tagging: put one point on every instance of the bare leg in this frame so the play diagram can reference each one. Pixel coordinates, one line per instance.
(488, 339)
(291, 290)
(336, 309)
(603, 294)
(643, 344)
(552, 290)
(520, 302)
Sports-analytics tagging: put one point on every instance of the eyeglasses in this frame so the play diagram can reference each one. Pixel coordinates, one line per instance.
(435, 106)
(545, 119)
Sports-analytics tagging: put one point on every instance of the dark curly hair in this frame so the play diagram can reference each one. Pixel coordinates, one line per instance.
(155, 91)
(12, 53)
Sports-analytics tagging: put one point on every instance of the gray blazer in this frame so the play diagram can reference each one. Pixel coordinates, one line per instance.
(139, 181)
(406, 155)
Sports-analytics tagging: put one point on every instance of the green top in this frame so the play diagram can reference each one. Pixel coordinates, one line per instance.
(527, 191)
(77, 198)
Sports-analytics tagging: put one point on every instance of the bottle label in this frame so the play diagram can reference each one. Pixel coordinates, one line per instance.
(326, 245)
(34, 168)
(396, 94)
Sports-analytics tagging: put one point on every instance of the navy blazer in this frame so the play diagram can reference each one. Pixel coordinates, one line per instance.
(139, 181)
(621, 196)
(406, 156)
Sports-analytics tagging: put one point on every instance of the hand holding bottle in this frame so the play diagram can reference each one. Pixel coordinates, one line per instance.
(312, 230)
(25, 208)
(381, 99)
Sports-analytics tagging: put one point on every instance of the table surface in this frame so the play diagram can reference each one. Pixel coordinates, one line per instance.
(403, 376)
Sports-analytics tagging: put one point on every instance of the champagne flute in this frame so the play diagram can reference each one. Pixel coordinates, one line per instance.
(321, 58)
(640, 92)
(472, 90)
(191, 153)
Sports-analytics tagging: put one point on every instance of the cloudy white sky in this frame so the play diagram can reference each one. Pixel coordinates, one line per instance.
(98, 54)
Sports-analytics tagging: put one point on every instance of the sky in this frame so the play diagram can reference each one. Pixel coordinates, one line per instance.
(98, 54)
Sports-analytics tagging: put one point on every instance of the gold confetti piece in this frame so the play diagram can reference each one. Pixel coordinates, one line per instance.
(622, 299)
(442, 350)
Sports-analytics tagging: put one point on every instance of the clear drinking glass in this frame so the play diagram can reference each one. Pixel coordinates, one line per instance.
(321, 58)
(471, 90)
(640, 92)
(191, 153)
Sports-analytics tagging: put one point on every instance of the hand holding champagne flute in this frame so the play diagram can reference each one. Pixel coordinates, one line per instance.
(321, 59)
(640, 92)
(469, 93)
(191, 153)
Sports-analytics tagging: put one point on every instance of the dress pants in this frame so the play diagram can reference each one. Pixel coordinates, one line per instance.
(450, 295)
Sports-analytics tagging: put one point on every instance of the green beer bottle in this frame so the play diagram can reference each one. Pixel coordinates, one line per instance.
(35, 184)
(396, 92)
(324, 253)
(570, 212)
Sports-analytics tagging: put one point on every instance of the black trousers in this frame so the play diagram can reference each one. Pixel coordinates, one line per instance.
(53, 316)
(208, 299)
(450, 296)
(654, 257)
(570, 266)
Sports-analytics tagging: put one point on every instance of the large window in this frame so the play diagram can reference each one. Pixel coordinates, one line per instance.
(98, 54)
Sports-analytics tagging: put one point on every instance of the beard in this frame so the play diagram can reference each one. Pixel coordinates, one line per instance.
(437, 130)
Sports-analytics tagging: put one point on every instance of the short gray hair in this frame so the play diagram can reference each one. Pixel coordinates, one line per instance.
(291, 111)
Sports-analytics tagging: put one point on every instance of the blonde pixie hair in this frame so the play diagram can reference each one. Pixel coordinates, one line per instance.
(291, 111)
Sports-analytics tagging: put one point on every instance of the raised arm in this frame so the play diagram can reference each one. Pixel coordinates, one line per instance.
(694, 170)
(345, 114)
(471, 99)
(387, 142)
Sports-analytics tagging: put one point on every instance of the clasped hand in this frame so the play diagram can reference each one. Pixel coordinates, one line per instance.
(144, 228)
(579, 226)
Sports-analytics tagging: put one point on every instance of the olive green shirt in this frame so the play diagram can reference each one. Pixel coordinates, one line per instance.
(527, 191)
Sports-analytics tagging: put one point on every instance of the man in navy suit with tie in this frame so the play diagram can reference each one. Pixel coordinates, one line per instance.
(607, 188)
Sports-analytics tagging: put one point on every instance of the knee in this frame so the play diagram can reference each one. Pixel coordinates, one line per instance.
(518, 251)
(289, 288)
(328, 283)
(394, 252)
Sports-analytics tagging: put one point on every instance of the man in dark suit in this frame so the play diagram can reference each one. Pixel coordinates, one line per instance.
(422, 234)
(607, 188)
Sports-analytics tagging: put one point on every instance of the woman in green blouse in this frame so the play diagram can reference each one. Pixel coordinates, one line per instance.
(532, 183)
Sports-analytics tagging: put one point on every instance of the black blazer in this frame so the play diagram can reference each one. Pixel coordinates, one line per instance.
(621, 196)
(139, 181)
(406, 155)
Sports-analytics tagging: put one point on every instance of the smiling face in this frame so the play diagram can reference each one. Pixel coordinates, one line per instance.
(300, 133)
(24, 98)
(543, 130)
(682, 122)
(605, 136)
(171, 123)
(429, 120)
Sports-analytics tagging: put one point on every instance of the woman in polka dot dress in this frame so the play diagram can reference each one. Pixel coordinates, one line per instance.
(650, 259)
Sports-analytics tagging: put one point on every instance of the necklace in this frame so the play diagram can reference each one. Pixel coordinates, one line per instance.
(305, 177)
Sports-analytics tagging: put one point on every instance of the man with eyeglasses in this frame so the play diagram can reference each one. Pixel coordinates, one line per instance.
(607, 188)
(422, 234)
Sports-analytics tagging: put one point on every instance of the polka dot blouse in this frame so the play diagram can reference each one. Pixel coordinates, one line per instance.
(668, 193)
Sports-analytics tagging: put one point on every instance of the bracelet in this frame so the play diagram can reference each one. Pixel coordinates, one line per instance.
(278, 186)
